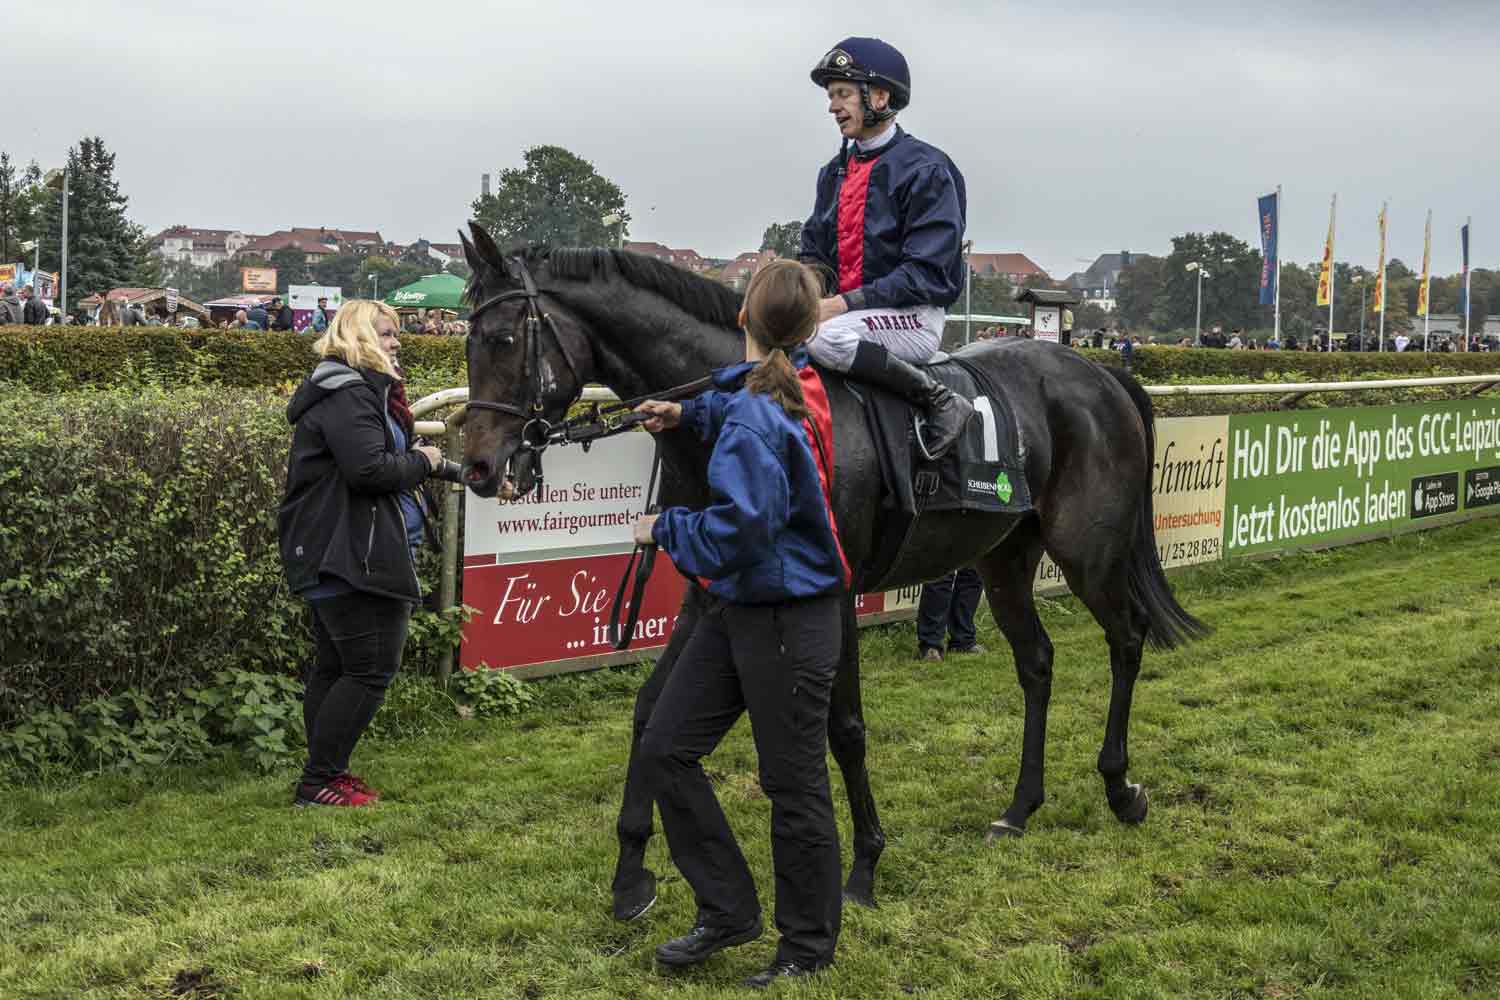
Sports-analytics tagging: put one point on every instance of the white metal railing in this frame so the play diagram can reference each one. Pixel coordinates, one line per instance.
(1305, 388)
(599, 394)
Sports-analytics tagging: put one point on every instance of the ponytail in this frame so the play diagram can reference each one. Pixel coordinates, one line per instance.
(781, 312)
(777, 377)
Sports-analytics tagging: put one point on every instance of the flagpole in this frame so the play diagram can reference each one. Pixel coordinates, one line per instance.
(1385, 293)
(1332, 265)
(1427, 285)
(1276, 331)
(1468, 284)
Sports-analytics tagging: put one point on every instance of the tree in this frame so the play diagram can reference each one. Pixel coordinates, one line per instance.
(339, 271)
(1136, 292)
(785, 238)
(555, 198)
(1231, 287)
(105, 249)
(291, 267)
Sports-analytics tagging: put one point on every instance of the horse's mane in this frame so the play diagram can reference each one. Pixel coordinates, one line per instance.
(701, 298)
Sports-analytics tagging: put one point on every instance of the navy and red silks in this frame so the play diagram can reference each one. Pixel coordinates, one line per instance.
(890, 225)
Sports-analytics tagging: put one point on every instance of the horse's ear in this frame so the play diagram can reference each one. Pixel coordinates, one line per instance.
(485, 249)
(471, 255)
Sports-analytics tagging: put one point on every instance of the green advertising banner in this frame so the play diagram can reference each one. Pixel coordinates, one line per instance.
(1310, 477)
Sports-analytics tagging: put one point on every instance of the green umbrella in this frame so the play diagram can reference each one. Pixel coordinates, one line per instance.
(434, 291)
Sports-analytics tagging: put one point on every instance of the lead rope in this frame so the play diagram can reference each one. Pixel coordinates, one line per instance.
(642, 561)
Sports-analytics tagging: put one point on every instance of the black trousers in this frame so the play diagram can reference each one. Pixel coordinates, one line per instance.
(947, 610)
(778, 663)
(359, 637)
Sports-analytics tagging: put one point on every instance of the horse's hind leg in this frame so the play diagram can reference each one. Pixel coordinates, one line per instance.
(1008, 573)
(1100, 578)
(1125, 628)
(846, 738)
(634, 885)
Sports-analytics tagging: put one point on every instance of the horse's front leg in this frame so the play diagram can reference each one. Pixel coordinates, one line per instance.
(846, 738)
(634, 884)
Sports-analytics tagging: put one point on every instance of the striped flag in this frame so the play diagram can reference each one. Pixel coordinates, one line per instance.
(1426, 268)
(1380, 268)
(1325, 277)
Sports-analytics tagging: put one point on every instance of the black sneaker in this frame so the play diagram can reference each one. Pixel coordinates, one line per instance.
(702, 941)
(975, 649)
(781, 968)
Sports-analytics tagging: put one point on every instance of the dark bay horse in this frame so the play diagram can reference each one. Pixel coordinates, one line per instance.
(549, 320)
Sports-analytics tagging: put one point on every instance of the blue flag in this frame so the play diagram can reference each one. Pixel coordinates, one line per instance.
(1267, 208)
(1463, 278)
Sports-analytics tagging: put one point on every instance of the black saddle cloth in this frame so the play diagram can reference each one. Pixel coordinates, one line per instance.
(984, 473)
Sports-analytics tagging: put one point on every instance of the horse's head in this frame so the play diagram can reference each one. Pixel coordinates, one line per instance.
(528, 361)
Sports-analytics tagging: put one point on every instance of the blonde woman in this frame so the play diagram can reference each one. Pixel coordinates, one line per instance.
(345, 537)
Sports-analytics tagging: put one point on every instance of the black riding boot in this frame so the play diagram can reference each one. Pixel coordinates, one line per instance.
(946, 414)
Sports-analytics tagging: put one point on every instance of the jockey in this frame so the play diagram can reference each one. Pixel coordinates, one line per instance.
(889, 224)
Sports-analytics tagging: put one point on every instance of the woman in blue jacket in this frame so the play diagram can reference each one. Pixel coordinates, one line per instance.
(768, 643)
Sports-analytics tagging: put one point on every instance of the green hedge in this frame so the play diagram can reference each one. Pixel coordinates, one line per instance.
(1168, 364)
(53, 358)
(138, 544)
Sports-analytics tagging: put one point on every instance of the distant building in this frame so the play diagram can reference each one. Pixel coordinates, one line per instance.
(688, 259)
(1096, 286)
(738, 272)
(1452, 325)
(1013, 267)
(198, 247)
(317, 244)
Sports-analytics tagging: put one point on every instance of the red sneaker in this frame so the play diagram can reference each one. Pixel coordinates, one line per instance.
(355, 783)
(335, 793)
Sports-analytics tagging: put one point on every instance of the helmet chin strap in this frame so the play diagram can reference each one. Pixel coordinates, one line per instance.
(873, 117)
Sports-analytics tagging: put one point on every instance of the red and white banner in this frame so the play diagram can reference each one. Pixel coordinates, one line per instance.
(542, 571)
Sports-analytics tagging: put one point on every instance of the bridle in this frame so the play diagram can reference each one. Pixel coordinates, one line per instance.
(535, 432)
(538, 433)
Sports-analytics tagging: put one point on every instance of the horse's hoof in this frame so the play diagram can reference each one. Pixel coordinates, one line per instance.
(1134, 812)
(1002, 829)
(632, 903)
(860, 892)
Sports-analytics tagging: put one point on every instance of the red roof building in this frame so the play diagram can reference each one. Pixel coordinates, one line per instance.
(1013, 267)
(688, 259)
(316, 243)
(738, 272)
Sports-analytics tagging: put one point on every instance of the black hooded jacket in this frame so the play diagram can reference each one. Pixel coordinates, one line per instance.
(341, 515)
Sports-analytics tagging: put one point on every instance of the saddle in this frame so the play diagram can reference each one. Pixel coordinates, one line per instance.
(984, 473)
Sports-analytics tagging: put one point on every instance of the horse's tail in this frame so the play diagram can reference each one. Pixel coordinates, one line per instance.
(1170, 625)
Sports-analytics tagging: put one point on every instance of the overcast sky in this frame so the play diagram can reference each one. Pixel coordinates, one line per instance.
(1083, 129)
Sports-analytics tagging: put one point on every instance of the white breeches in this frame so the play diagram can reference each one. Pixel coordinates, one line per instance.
(911, 334)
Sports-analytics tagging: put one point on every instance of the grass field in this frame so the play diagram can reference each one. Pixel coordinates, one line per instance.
(1325, 822)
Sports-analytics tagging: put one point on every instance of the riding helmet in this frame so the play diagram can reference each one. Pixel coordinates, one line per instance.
(868, 62)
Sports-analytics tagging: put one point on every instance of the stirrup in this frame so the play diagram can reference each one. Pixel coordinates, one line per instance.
(917, 423)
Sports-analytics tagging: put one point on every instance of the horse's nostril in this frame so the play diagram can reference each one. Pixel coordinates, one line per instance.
(477, 472)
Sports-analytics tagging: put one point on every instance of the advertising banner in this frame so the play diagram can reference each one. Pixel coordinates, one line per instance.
(1313, 477)
(1189, 482)
(9, 273)
(258, 279)
(542, 571)
(304, 302)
